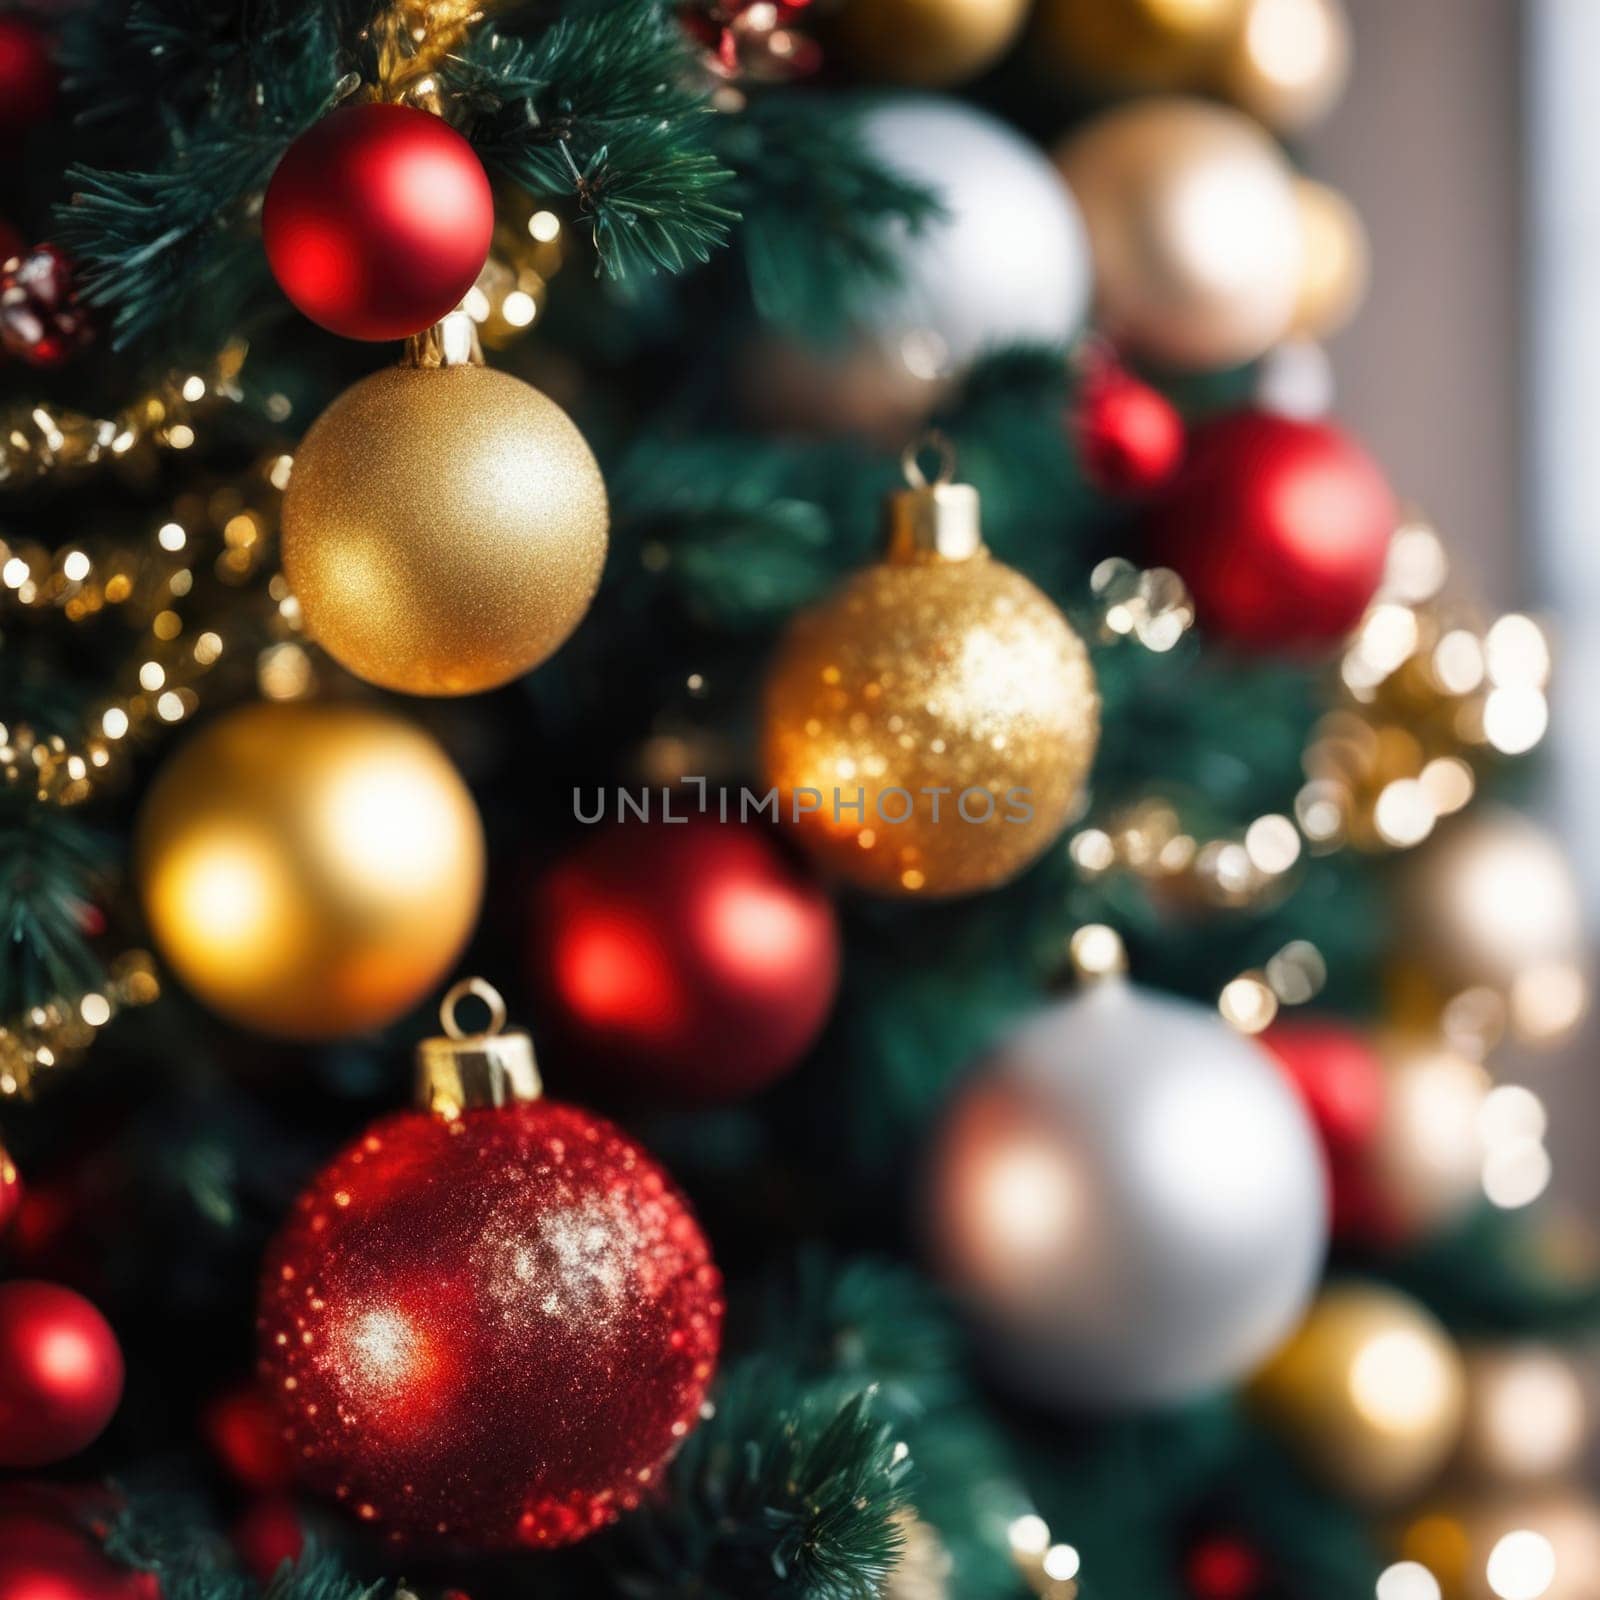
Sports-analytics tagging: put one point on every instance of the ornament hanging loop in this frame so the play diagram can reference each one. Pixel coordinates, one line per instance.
(933, 520)
(462, 1071)
(452, 342)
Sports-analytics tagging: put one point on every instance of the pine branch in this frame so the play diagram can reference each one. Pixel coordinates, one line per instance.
(597, 107)
(781, 1493)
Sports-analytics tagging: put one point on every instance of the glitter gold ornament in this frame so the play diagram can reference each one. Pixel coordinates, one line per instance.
(1368, 1392)
(310, 870)
(492, 1320)
(928, 727)
(445, 525)
(1135, 43)
(930, 43)
(1333, 280)
(1196, 237)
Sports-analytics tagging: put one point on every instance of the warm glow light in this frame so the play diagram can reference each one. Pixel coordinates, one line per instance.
(1516, 1174)
(1397, 1381)
(1522, 1566)
(1061, 1563)
(1288, 40)
(1029, 1535)
(1408, 1580)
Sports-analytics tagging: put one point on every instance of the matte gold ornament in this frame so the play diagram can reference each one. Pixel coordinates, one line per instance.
(1490, 903)
(1194, 227)
(1368, 1393)
(1507, 1544)
(930, 725)
(1287, 61)
(928, 43)
(445, 526)
(1334, 280)
(1135, 43)
(310, 870)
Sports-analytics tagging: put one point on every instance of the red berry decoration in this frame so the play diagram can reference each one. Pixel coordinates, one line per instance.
(245, 1435)
(693, 962)
(10, 1190)
(491, 1322)
(51, 1543)
(1130, 437)
(60, 1373)
(378, 221)
(27, 75)
(1280, 528)
(268, 1534)
(41, 321)
(1223, 1566)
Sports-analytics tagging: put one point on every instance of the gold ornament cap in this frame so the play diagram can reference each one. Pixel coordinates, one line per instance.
(937, 520)
(461, 1071)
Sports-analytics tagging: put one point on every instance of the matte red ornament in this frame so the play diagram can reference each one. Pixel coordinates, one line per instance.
(60, 1373)
(10, 1190)
(378, 220)
(41, 319)
(243, 1431)
(693, 962)
(1129, 435)
(28, 78)
(490, 1328)
(1341, 1079)
(51, 1547)
(1279, 527)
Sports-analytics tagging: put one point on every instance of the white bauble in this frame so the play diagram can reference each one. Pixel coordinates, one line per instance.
(1131, 1199)
(1008, 263)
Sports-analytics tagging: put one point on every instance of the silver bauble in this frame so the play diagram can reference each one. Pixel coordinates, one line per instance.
(1007, 263)
(1131, 1199)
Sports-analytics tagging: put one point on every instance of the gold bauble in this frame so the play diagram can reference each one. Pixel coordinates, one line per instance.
(929, 43)
(1195, 230)
(941, 692)
(1135, 43)
(1490, 902)
(1509, 1544)
(1287, 61)
(444, 528)
(1334, 280)
(310, 870)
(1368, 1393)
(1424, 1165)
(1527, 1416)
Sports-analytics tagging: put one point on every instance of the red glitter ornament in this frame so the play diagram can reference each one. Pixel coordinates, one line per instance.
(693, 962)
(10, 1190)
(60, 1373)
(1340, 1078)
(41, 321)
(1279, 527)
(489, 1323)
(377, 221)
(50, 1547)
(1129, 436)
(28, 78)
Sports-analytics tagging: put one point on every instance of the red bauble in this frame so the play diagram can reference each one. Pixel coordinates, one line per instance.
(491, 1331)
(267, 1535)
(245, 1435)
(10, 1190)
(50, 1548)
(60, 1373)
(27, 75)
(1279, 527)
(1341, 1080)
(1224, 1567)
(378, 221)
(41, 320)
(693, 962)
(1129, 436)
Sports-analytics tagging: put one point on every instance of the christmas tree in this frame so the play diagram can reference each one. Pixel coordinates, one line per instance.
(740, 859)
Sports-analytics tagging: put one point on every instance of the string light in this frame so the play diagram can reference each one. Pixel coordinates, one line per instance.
(57, 1031)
